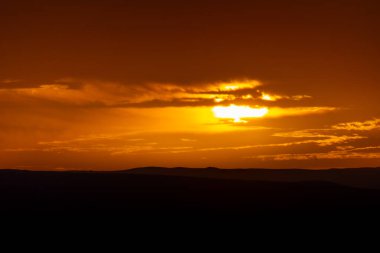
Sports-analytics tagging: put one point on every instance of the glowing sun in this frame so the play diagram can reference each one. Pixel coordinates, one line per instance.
(237, 113)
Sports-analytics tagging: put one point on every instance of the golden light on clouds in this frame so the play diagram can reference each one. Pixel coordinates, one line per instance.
(237, 113)
(359, 126)
(267, 97)
(278, 112)
(237, 85)
(222, 117)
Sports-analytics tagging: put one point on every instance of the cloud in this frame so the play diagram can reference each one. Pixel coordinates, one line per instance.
(276, 112)
(105, 143)
(325, 138)
(15, 84)
(329, 141)
(269, 97)
(150, 95)
(359, 126)
(342, 155)
(319, 138)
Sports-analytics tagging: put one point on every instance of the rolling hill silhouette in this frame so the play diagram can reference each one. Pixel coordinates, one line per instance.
(355, 177)
(182, 190)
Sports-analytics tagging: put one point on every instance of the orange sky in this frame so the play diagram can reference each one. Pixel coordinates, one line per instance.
(119, 84)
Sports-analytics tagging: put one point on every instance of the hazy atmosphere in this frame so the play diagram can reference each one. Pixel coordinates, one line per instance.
(107, 85)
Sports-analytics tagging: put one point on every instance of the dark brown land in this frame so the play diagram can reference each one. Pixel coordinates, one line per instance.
(184, 191)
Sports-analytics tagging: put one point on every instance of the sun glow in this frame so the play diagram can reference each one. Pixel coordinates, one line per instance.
(237, 113)
(238, 85)
(268, 97)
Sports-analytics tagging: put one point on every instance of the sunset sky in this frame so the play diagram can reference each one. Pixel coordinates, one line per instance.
(117, 84)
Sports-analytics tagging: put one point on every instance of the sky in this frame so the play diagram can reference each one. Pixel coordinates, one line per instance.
(116, 84)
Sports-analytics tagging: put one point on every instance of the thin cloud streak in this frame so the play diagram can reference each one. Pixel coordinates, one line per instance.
(359, 126)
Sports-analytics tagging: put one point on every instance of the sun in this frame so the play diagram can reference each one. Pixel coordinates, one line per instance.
(237, 113)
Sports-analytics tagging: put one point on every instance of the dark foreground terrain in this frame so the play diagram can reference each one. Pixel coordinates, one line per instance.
(180, 190)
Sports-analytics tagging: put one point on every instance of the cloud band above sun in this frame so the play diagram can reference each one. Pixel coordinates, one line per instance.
(246, 98)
